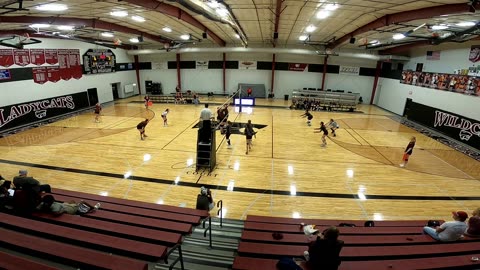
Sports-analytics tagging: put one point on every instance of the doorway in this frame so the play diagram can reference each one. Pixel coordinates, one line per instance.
(115, 87)
(92, 96)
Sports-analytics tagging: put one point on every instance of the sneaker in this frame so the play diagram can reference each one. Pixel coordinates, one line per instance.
(143, 139)
(229, 146)
(97, 206)
(306, 255)
(144, 135)
(323, 145)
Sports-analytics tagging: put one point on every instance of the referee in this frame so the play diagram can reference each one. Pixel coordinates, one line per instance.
(206, 116)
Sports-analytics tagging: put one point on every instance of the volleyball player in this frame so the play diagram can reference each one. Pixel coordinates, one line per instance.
(408, 151)
(164, 117)
(141, 128)
(228, 132)
(325, 133)
(146, 100)
(309, 117)
(98, 109)
(333, 126)
(248, 135)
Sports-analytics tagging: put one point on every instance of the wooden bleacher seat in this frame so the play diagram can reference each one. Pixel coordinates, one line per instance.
(12, 262)
(107, 243)
(380, 223)
(113, 228)
(67, 254)
(161, 207)
(190, 219)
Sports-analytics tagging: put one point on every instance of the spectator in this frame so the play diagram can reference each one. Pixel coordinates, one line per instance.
(205, 199)
(451, 230)
(196, 100)
(27, 182)
(324, 252)
(49, 205)
(5, 195)
(473, 229)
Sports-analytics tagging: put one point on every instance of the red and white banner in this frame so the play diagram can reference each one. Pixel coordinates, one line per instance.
(37, 56)
(39, 75)
(53, 74)
(51, 56)
(247, 65)
(297, 67)
(64, 64)
(75, 67)
(6, 57)
(21, 57)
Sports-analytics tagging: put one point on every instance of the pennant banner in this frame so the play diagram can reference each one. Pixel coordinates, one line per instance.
(297, 67)
(6, 57)
(51, 56)
(21, 57)
(64, 64)
(39, 75)
(37, 56)
(53, 74)
(75, 67)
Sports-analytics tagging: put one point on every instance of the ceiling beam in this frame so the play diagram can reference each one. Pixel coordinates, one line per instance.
(177, 13)
(278, 12)
(406, 16)
(93, 23)
(402, 48)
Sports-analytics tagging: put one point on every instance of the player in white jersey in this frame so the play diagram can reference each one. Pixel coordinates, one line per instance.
(164, 117)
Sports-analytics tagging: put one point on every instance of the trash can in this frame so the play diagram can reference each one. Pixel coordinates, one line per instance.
(286, 97)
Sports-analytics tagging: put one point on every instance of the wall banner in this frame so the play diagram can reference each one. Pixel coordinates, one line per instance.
(39, 75)
(160, 65)
(247, 65)
(37, 56)
(455, 126)
(6, 57)
(51, 56)
(5, 74)
(297, 67)
(347, 70)
(201, 64)
(25, 113)
(21, 57)
(53, 74)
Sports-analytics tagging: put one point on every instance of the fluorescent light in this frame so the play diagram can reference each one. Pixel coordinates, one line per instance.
(147, 157)
(138, 18)
(231, 185)
(222, 12)
(310, 28)
(302, 37)
(39, 25)
(65, 27)
(237, 36)
(374, 42)
(293, 190)
(52, 7)
(185, 37)
(322, 14)
(331, 6)
(167, 29)
(439, 27)
(398, 36)
(465, 24)
(119, 13)
(134, 40)
(107, 34)
(213, 4)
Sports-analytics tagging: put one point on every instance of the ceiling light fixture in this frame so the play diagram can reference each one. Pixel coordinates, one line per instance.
(167, 29)
(465, 24)
(374, 42)
(213, 4)
(185, 37)
(331, 7)
(134, 40)
(322, 14)
(107, 34)
(237, 36)
(310, 28)
(138, 18)
(52, 7)
(66, 27)
(439, 27)
(222, 12)
(302, 37)
(39, 25)
(398, 36)
(119, 13)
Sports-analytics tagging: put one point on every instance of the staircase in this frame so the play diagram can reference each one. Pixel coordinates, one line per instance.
(197, 255)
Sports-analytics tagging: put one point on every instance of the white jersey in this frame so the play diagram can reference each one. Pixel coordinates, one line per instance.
(333, 124)
(164, 114)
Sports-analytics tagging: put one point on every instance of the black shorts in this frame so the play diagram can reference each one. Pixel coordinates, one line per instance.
(249, 137)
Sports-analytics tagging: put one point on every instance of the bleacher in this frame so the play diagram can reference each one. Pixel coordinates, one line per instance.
(387, 245)
(162, 98)
(337, 100)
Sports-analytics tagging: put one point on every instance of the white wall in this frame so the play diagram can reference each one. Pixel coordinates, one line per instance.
(24, 91)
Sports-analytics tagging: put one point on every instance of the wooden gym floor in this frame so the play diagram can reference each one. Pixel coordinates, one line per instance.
(287, 173)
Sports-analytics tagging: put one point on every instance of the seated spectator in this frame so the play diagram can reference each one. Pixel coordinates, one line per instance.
(205, 200)
(324, 252)
(6, 197)
(27, 182)
(473, 229)
(49, 205)
(451, 230)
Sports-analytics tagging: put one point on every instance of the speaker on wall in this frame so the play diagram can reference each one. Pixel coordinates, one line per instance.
(275, 35)
(352, 40)
(204, 35)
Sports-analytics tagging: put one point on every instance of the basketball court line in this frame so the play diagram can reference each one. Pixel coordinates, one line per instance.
(469, 176)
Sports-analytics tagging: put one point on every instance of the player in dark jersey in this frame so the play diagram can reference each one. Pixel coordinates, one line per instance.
(408, 151)
(249, 133)
(146, 100)
(309, 117)
(141, 128)
(98, 109)
(323, 129)
(228, 132)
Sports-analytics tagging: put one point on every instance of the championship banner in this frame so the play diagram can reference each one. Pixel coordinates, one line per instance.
(6, 57)
(455, 126)
(346, 70)
(75, 66)
(468, 85)
(39, 110)
(247, 65)
(53, 74)
(21, 57)
(37, 56)
(51, 56)
(474, 55)
(201, 64)
(39, 75)
(297, 67)
(5, 74)
(64, 64)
